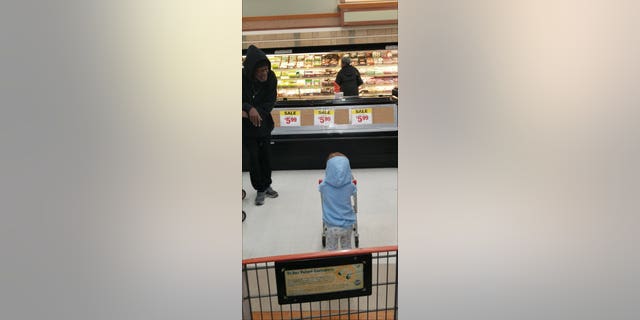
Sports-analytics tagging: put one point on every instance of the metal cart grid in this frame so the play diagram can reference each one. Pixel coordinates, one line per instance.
(260, 297)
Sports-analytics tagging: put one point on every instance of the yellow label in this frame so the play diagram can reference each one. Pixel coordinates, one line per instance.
(290, 113)
(323, 112)
(359, 111)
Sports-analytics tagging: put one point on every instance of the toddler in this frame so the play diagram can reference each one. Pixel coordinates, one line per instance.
(337, 212)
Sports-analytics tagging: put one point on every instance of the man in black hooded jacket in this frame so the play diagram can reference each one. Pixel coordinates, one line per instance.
(348, 78)
(258, 98)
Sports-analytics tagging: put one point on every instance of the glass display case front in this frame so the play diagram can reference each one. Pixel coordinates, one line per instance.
(312, 75)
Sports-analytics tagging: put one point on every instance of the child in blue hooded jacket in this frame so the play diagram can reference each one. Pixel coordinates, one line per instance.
(337, 212)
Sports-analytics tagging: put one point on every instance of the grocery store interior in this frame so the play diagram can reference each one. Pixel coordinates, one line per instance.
(305, 41)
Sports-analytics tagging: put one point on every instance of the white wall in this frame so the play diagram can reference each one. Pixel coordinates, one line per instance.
(251, 8)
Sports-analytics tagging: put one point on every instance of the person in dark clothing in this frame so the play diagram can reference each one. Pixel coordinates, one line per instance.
(258, 98)
(348, 78)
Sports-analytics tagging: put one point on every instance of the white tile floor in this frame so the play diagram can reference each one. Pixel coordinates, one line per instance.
(292, 223)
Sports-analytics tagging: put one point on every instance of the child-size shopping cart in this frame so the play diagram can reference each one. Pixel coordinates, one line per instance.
(354, 203)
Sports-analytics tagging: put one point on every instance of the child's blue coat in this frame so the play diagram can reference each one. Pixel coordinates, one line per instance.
(337, 188)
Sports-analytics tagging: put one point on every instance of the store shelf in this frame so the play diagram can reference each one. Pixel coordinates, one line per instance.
(381, 64)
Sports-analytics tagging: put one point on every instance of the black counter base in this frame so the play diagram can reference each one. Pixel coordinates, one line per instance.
(302, 152)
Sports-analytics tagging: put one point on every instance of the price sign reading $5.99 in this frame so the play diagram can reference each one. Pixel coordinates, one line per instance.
(323, 117)
(361, 116)
(290, 118)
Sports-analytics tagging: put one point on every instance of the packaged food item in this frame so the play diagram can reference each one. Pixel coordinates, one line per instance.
(325, 60)
(326, 90)
(275, 62)
(334, 62)
(308, 61)
(387, 57)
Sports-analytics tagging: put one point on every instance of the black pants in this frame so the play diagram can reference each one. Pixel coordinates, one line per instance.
(259, 151)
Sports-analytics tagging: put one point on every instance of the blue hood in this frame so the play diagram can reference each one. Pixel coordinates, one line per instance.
(338, 172)
(336, 190)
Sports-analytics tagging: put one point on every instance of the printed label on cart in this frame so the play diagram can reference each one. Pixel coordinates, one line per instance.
(323, 117)
(324, 279)
(361, 116)
(290, 118)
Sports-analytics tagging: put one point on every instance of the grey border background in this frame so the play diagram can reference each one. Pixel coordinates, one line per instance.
(518, 169)
(518, 160)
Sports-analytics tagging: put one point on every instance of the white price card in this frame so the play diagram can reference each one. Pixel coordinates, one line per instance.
(323, 117)
(290, 118)
(361, 116)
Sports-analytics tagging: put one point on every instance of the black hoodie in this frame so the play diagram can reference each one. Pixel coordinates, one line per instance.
(349, 80)
(260, 95)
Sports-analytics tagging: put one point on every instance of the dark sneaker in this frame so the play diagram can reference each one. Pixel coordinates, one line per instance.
(271, 193)
(260, 198)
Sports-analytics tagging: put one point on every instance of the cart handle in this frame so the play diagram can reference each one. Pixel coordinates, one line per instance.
(354, 181)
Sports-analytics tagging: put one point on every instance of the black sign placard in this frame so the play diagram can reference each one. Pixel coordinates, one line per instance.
(323, 278)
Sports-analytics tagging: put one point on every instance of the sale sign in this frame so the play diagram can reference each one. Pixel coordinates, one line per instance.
(323, 117)
(361, 116)
(290, 118)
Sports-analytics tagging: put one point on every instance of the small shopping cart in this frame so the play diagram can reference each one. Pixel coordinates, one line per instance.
(354, 203)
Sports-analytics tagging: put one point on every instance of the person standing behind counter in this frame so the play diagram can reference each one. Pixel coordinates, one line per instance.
(348, 78)
(259, 95)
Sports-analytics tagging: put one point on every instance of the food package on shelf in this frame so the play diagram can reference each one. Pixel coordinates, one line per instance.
(275, 62)
(329, 72)
(292, 62)
(308, 61)
(369, 58)
(326, 90)
(330, 60)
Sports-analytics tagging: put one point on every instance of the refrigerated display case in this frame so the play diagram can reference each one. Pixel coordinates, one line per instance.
(309, 72)
(364, 129)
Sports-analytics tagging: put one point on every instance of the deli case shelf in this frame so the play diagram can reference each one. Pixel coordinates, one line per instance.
(306, 131)
(308, 72)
